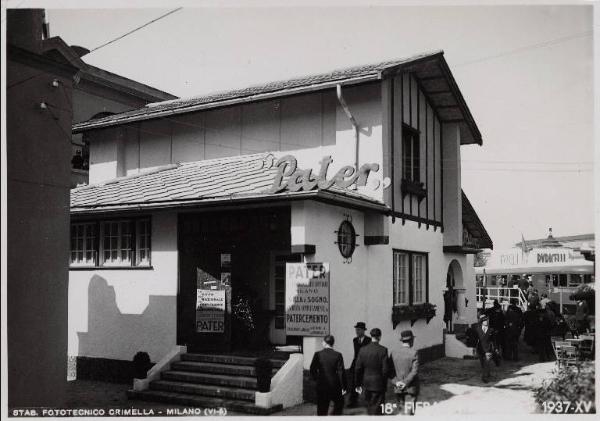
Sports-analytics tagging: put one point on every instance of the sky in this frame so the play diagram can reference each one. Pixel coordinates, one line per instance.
(526, 73)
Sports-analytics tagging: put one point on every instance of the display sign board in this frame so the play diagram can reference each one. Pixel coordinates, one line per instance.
(210, 311)
(307, 299)
(542, 257)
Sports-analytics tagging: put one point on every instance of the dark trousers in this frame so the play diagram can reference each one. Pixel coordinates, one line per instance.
(544, 348)
(406, 403)
(501, 341)
(485, 359)
(375, 399)
(582, 326)
(323, 402)
(352, 395)
(512, 347)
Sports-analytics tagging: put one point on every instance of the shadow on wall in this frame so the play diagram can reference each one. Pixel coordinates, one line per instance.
(113, 338)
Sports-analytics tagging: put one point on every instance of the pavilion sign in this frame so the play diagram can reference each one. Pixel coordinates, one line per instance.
(304, 180)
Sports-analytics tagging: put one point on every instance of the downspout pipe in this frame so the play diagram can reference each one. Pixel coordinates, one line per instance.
(346, 109)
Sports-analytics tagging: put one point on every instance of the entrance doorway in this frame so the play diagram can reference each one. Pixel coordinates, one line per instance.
(242, 253)
(277, 333)
(454, 297)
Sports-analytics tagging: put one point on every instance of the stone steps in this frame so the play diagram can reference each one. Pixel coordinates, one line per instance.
(230, 369)
(204, 389)
(209, 381)
(213, 379)
(193, 400)
(227, 359)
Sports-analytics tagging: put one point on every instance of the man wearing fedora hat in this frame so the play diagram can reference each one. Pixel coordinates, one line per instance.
(406, 373)
(359, 341)
(486, 347)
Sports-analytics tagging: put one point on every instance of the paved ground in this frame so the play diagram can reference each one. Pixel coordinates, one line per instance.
(450, 386)
(453, 386)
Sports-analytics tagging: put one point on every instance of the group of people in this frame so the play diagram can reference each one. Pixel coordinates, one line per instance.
(372, 368)
(497, 334)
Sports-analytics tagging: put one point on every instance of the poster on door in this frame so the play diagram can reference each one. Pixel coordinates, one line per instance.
(210, 311)
(307, 299)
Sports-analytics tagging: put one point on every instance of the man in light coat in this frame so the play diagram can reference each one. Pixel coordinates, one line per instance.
(406, 373)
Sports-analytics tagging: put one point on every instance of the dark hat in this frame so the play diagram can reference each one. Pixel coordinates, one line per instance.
(483, 317)
(360, 325)
(406, 335)
(376, 332)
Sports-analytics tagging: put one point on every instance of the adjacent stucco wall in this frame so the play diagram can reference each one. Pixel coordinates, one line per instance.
(116, 313)
(452, 203)
(87, 104)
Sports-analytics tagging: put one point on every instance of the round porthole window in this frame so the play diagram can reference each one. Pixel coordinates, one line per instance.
(346, 239)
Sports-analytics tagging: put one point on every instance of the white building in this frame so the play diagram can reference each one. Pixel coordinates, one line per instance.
(218, 190)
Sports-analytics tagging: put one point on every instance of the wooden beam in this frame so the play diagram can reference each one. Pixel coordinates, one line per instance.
(426, 78)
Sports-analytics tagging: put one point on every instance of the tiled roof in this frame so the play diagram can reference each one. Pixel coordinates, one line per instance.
(176, 106)
(226, 179)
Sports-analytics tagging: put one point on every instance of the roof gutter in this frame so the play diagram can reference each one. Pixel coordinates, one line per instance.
(320, 195)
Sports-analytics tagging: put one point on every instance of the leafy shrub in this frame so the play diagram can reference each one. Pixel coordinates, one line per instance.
(571, 385)
(583, 292)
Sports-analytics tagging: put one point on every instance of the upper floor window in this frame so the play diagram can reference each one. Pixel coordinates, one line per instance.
(411, 154)
(117, 243)
(410, 278)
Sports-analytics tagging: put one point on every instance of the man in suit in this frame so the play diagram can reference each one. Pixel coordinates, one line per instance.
(485, 346)
(406, 373)
(359, 341)
(372, 369)
(497, 323)
(514, 325)
(327, 369)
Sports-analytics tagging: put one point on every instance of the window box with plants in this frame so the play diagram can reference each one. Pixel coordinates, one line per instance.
(413, 313)
(414, 188)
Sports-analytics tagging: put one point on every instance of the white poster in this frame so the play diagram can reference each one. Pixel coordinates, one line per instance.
(307, 299)
(210, 311)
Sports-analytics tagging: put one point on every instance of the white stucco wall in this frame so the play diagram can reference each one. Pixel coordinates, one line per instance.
(408, 237)
(315, 223)
(116, 313)
(363, 289)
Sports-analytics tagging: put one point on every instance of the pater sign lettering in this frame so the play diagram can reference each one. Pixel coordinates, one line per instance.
(287, 166)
